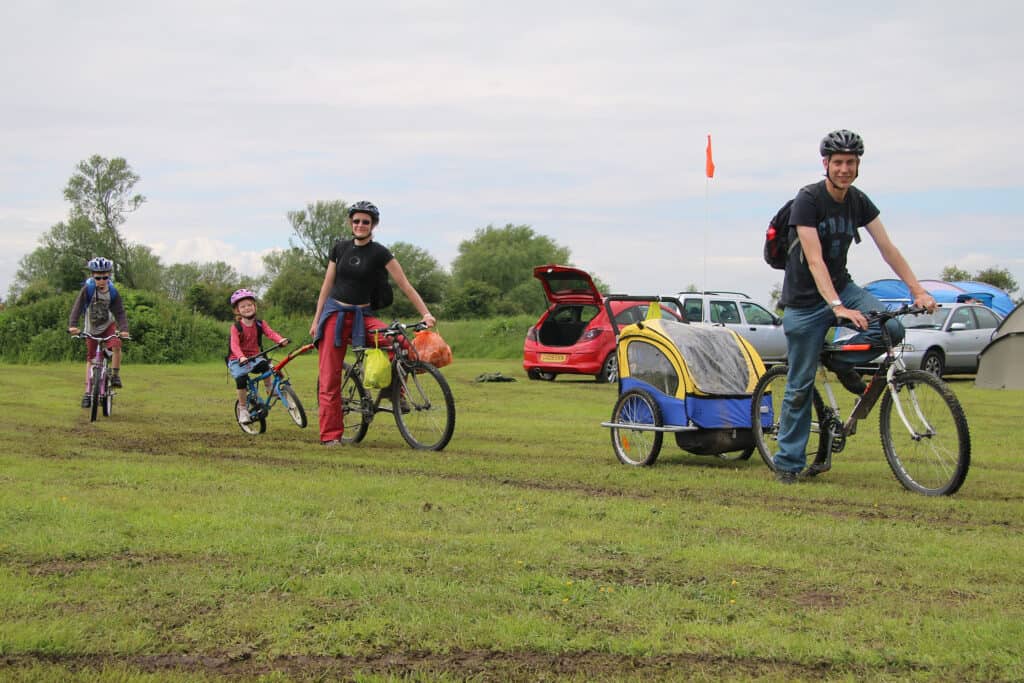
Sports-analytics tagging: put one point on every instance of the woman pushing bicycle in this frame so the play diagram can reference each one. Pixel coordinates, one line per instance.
(343, 309)
(103, 308)
(246, 341)
(818, 291)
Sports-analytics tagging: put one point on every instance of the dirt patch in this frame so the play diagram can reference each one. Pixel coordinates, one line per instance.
(476, 665)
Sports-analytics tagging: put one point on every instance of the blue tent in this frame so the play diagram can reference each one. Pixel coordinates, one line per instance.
(894, 293)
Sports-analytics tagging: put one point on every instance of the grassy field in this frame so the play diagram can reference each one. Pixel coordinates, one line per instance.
(163, 544)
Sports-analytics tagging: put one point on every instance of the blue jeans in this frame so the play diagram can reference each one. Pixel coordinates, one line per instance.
(805, 335)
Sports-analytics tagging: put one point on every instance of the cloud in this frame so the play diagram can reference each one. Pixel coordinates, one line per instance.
(586, 122)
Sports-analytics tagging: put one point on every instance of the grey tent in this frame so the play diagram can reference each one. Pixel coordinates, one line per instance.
(1001, 363)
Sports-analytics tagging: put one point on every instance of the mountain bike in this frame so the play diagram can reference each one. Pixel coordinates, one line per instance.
(253, 417)
(418, 395)
(98, 377)
(922, 425)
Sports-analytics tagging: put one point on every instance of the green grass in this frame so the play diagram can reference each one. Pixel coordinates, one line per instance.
(165, 544)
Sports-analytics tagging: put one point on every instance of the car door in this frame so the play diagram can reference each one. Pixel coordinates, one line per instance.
(963, 340)
(987, 324)
(764, 331)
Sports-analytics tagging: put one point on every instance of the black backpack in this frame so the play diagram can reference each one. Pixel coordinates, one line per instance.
(780, 238)
(238, 326)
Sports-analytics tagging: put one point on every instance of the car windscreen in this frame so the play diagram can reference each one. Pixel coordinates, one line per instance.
(925, 321)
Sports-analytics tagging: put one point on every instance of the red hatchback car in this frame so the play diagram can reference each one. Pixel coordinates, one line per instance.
(574, 336)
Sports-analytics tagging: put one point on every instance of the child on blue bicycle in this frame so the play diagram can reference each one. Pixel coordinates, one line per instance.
(247, 341)
(101, 304)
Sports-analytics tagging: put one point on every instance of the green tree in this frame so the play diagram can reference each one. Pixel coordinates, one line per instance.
(101, 191)
(295, 279)
(425, 274)
(178, 277)
(210, 292)
(59, 262)
(998, 277)
(318, 227)
(954, 274)
(503, 259)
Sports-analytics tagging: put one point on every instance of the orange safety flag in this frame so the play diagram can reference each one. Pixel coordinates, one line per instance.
(709, 165)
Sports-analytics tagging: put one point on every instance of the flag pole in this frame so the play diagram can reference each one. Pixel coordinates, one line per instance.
(709, 173)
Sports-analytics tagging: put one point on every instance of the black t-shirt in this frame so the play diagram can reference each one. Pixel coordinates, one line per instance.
(837, 224)
(354, 269)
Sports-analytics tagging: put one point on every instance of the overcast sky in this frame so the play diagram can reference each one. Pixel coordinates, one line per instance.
(586, 123)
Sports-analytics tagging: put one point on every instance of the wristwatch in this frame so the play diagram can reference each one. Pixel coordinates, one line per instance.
(835, 303)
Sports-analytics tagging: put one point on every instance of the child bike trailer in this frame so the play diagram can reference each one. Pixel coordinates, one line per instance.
(693, 381)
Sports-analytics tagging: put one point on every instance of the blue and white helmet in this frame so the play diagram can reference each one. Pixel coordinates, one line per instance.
(98, 264)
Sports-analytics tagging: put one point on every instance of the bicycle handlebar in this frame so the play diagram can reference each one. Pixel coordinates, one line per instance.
(86, 335)
(905, 309)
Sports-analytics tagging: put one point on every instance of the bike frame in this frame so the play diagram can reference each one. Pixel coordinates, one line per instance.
(275, 371)
(100, 359)
(882, 379)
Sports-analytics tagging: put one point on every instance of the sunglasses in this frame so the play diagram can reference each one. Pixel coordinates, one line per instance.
(361, 222)
(100, 277)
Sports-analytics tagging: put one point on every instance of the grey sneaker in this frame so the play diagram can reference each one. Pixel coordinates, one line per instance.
(115, 381)
(333, 443)
(786, 477)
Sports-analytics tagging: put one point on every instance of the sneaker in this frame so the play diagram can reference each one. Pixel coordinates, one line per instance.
(87, 401)
(848, 377)
(115, 381)
(333, 443)
(243, 416)
(786, 477)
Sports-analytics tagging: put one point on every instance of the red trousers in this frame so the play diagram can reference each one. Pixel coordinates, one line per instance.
(332, 360)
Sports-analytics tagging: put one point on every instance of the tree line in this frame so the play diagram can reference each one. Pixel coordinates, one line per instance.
(491, 275)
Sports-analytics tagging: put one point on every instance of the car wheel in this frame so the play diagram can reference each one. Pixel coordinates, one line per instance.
(536, 373)
(933, 363)
(609, 369)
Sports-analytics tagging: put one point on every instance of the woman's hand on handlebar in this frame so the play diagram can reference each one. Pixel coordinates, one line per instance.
(429, 319)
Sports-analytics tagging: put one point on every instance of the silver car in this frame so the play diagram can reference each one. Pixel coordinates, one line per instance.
(738, 312)
(947, 341)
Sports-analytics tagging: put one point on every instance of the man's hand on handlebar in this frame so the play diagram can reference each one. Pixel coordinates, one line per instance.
(74, 331)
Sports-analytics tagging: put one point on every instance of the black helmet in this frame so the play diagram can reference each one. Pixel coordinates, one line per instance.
(365, 207)
(842, 142)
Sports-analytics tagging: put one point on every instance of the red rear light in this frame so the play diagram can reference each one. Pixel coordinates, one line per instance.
(592, 334)
(771, 232)
(531, 334)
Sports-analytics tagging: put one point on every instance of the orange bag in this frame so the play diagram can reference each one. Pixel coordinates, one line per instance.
(430, 347)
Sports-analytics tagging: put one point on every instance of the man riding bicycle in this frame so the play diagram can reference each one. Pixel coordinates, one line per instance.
(818, 291)
(104, 313)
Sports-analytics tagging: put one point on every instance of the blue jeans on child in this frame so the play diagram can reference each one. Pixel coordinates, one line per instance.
(805, 335)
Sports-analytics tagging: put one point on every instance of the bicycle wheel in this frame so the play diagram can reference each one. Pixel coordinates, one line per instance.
(924, 434)
(94, 387)
(245, 421)
(766, 412)
(356, 408)
(107, 402)
(637, 446)
(293, 405)
(423, 405)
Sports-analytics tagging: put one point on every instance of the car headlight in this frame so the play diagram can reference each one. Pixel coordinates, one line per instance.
(906, 347)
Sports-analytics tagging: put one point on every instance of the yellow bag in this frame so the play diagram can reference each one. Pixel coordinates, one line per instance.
(376, 369)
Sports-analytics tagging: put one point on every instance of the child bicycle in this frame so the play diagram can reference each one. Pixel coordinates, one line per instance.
(418, 395)
(98, 388)
(252, 418)
(922, 425)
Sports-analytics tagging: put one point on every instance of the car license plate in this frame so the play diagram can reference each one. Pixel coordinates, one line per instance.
(552, 358)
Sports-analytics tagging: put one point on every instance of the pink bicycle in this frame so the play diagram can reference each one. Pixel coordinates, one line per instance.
(98, 378)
